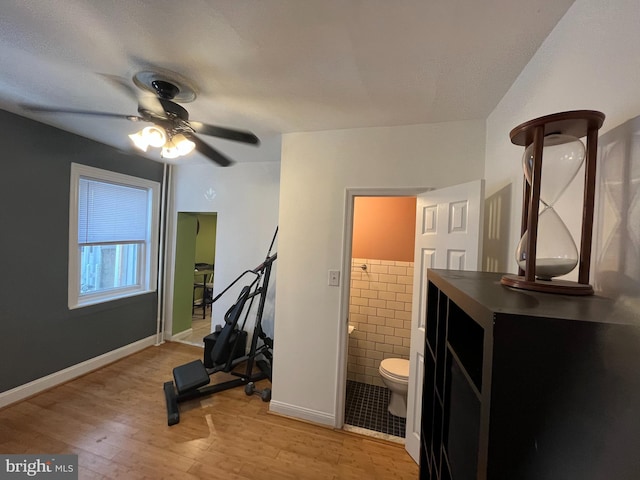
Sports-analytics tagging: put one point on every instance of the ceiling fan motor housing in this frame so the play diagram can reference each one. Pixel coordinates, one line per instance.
(165, 90)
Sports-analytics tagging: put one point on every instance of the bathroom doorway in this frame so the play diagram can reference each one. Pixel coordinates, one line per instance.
(450, 237)
(380, 278)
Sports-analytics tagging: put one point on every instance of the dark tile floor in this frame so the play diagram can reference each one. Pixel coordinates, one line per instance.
(366, 407)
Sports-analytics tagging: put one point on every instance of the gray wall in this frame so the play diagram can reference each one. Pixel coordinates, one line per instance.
(39, 335)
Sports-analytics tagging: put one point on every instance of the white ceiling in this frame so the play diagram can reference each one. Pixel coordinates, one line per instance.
(271, 66)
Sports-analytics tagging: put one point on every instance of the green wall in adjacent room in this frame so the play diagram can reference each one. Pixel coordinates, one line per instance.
(183, 274)
(206, 238)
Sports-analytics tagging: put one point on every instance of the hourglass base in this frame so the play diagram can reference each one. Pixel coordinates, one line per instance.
(564, 287)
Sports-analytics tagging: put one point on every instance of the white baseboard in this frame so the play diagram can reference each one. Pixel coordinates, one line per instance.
(302, 413)
(62, 376)
(181, 335)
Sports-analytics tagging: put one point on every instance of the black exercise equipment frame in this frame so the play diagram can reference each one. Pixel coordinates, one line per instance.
(196, 371)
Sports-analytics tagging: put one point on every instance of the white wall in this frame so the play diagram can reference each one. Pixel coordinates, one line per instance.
(245, 196)
(589, 61)
(317, 168)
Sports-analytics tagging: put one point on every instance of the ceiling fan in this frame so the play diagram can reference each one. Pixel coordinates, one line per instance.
(171, 128)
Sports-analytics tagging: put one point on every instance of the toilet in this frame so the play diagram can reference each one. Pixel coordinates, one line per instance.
(395, 375)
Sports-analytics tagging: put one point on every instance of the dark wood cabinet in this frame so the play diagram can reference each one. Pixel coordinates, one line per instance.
(522, 385)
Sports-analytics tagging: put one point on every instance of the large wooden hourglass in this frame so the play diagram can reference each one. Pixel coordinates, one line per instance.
(552, 158)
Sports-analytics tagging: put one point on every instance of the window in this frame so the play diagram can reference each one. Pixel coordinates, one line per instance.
(113, 235)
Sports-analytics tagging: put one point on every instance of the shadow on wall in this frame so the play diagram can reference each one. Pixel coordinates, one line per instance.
(617, 222)
(495, 250)
(268, 315)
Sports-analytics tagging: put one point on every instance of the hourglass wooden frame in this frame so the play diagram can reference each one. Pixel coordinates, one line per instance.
(579, 124)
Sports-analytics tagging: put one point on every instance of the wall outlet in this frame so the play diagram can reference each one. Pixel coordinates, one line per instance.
(334, 278)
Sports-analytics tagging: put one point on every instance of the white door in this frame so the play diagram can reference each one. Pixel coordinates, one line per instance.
(448, 235)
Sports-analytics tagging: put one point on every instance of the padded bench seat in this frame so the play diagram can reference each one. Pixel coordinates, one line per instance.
(190, 376)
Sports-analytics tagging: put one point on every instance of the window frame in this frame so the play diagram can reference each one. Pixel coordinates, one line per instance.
(148, 263)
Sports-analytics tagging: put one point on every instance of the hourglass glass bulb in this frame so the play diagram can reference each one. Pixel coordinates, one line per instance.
(556, 253)
(562, 156)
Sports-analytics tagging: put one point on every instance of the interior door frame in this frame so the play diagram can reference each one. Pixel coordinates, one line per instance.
(345, 283)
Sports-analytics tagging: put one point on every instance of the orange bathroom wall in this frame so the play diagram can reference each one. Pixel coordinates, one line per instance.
(384, 228)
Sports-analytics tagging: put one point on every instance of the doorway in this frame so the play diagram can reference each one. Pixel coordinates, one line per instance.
(194, 276)
(449, 236)
(380, 279)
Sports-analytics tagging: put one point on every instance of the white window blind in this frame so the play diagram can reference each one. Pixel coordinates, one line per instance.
(111, 213)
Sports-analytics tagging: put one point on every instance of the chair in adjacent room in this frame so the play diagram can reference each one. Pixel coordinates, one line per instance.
(205, 285)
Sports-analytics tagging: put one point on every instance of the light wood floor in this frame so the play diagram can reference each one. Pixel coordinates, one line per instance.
(114, 419)
(200, 328)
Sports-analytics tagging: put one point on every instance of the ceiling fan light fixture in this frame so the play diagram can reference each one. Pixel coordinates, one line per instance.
(169, 152)
(177, 146)
(155, 136)
(139, 141)
(183, 144)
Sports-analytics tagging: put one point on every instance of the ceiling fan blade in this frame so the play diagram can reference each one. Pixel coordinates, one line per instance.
(122, 84)
(147, 101)
(39, 109)
(228, 133)
(209, 151)
(152, 104)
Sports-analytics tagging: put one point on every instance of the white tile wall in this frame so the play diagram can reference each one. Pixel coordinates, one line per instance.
(380, 311)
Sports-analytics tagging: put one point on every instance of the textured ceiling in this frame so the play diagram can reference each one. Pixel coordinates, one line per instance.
(271, 66)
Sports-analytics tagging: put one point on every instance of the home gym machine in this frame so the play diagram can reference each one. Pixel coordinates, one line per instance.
(225, 349)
